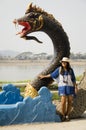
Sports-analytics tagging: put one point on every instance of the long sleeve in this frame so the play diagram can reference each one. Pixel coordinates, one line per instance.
(55, 73)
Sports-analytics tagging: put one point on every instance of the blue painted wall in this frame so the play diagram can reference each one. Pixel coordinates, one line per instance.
(10, 94)
(28, 110)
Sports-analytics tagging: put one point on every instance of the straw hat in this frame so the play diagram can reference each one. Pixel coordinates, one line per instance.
(65, 59)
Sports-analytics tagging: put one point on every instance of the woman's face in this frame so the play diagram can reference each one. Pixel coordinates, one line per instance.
(64, 64)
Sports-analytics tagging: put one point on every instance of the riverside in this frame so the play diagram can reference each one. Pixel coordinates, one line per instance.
(17, 70)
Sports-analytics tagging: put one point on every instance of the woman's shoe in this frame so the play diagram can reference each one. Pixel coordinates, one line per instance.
(63, 118)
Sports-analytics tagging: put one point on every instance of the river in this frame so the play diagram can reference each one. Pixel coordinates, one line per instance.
(25, 70)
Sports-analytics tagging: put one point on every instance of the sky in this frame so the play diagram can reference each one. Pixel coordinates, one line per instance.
(70, 13)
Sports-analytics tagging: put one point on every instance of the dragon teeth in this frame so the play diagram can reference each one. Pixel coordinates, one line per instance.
(16, 26)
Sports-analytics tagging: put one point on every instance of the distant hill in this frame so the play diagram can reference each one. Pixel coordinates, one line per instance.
(24, 55)
(32, 56)
(8, 53)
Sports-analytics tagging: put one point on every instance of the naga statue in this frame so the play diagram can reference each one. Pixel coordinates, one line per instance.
(34, 20)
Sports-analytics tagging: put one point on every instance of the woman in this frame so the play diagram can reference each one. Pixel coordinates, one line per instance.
(67, 87)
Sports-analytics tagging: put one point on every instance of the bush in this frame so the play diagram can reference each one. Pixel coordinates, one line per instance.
(55, 96)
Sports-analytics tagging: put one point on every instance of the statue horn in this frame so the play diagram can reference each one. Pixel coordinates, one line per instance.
(29, 7)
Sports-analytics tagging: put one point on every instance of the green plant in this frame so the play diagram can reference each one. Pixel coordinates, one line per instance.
(78, 78)
(53, 86)
(55, 96)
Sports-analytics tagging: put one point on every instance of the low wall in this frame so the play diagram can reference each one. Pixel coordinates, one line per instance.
(27, 110)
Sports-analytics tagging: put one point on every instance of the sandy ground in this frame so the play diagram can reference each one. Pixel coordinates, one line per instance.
(74, 124)
(38, 62)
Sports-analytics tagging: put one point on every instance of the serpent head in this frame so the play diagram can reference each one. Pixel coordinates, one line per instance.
(32, 21)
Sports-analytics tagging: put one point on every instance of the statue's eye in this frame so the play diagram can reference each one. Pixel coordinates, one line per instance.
(36, 15)
(31, 15)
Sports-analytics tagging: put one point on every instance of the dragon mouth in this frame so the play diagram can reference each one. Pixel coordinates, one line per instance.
(25, 30)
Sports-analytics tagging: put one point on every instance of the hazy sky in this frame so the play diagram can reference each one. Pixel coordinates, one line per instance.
(71, 14)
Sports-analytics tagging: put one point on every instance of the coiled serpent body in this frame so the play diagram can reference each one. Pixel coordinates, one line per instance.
(36, 19)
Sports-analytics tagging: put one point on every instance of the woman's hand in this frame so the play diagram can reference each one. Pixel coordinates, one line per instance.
(41, 76)
(44, 76)
(76, 89)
